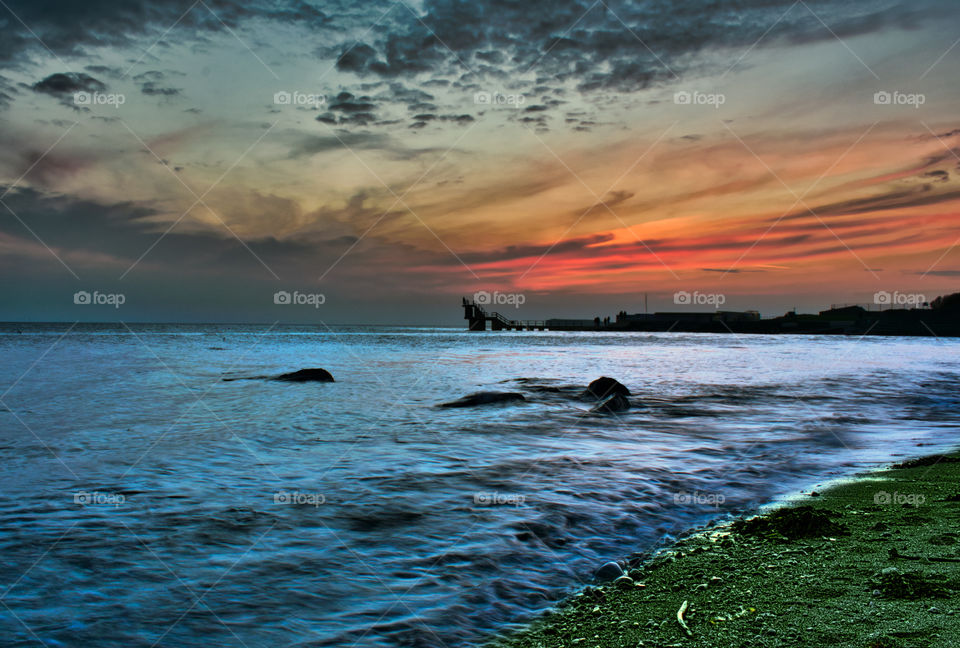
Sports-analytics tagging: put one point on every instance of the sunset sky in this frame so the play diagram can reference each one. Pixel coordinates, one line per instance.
(393, 156)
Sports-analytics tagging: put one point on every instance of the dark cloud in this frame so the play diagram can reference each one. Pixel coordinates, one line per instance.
(348, 104)
(152, 89)
(154, 83)
(66, 84)
(458, 119)
(7, 91)
(919, 196)
(420, 121)
(513, 252)
(340, 140)
(399, 54)
(68, 27)
(621, 45)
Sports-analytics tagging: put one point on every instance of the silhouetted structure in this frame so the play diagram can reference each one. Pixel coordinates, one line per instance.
(477, 318)
(941, 319)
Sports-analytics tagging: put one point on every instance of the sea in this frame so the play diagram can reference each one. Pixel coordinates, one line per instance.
(147, 501)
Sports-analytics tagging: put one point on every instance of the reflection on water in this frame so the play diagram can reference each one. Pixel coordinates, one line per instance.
(147, 502)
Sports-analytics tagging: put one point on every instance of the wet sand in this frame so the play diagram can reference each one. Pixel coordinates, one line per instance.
(872, 562)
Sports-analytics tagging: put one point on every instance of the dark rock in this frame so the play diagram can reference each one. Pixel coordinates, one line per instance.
(604, 387)
(306, 375)
(485, 398)
(608, 572)
(611, 405)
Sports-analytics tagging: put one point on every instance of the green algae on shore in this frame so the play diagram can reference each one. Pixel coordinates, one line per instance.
(869, 563)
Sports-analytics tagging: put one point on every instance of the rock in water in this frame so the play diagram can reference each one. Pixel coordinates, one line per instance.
(612, 404)
(604, 387)
(306, 375)
(610, 571)
(485, 398)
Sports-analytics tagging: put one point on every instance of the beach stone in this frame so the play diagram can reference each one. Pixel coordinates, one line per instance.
(623, 582)
(610, 571)
(306, 375)
(485, 398)
(604, 387)
(611, 405)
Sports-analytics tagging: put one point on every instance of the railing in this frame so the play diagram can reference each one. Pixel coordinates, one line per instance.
(502, 320)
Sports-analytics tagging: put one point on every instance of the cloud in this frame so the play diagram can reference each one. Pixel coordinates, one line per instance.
(514, 252)
(7, 90)
(620, 45)
(64, 85)
(67, 27)
(346, 102)
(152, 83)
(340, 140)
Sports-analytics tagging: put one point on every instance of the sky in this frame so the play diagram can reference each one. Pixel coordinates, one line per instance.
(337, 162)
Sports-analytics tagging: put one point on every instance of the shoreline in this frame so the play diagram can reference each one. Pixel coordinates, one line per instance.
(871, 561)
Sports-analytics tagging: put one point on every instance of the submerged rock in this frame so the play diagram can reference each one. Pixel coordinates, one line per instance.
(485, 398)
(306, 375)
(611, 405)
(611, 394)
(605, 387)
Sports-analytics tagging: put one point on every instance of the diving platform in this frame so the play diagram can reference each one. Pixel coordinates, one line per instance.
(477, 318)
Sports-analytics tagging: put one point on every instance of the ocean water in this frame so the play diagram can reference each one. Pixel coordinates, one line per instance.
(148, 502)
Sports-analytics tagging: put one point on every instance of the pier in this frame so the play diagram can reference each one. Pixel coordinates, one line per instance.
(940, 318)
(477, 318)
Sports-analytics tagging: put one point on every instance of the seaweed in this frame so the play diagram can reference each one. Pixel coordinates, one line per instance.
(912, 585)
(791, 524)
